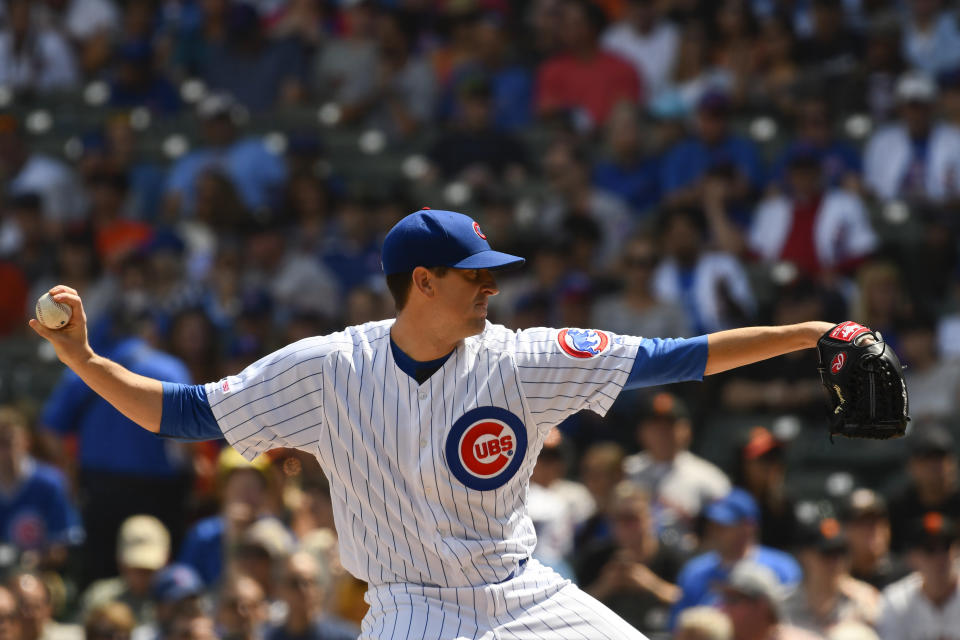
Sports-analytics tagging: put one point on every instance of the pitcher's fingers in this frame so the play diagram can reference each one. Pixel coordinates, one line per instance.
(62, 288)
(72, 300)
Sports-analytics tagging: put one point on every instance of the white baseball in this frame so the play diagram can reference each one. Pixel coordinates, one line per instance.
(52, 314)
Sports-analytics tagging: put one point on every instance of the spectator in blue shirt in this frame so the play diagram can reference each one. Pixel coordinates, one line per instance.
(137, 82)
(628, 170)
(258, 174)
(511, 84)
(118, 464)
(733, 524)
(839, 162)
(35, 509)
(244, 498)
(712, 151)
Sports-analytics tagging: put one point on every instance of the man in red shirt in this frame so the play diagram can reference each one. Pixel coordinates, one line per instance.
(582, 78)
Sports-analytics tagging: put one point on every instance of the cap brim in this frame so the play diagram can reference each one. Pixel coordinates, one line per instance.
(489, 260)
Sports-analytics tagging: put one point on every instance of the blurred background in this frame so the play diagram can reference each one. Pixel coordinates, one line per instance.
(215, 178)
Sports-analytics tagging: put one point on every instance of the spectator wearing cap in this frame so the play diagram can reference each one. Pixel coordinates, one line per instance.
(584, 80)
(712, 154)
(926, 604)
(257, 173)
(143, 548)
(819, 231)
(762, 471)
(680, 483)
(703, 623)
(732, 525)
(632, 573)
(866, 523)
(931, 38)
(175, 591)
(753, 597)
(244, 495)
(304, 586)
(712, 286)
(114, 479)
(62, 198)
(36, 610)
(932, 483)
(34, 57)
(36, 512)
(828, 595)
(635, 310)
(916, 157)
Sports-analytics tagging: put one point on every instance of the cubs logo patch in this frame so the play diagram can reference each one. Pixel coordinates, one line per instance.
(27, 531)
(485, 447)
(476, 229)
(838, 361)
(582, 343)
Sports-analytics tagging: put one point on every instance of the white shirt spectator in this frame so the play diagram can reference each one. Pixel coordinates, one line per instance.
(948, 336)
(652, 54)
(841, 230)
(86, 18)
(906, 614)
(45, 63)
(888, 156)
(935, 50)
(679, 489)
(712, 271)
(59, 189)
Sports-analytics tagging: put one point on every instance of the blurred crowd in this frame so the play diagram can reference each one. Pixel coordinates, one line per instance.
(667, 167)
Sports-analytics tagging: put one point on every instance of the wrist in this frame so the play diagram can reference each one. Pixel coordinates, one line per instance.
(80, 360)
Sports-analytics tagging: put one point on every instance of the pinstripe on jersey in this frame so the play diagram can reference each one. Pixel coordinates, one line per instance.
(401, 514)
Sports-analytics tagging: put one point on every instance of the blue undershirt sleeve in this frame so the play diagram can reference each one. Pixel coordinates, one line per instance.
(186, 414)
(666, 360)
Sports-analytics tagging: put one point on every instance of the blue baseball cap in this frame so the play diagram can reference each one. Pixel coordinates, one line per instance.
(435, 238)
(175, 582)
(733, 508)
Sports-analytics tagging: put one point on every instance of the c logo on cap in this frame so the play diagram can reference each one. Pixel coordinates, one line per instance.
(485, 447)
(476, 229)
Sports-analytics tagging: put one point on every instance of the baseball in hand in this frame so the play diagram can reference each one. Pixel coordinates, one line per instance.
(52, 314)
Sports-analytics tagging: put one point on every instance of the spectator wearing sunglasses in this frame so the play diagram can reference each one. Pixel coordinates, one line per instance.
(304, 588)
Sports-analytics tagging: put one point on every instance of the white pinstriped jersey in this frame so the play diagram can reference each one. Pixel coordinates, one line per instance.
(428, 481)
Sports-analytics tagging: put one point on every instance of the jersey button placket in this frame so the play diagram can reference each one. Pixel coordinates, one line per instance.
(426, 453)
